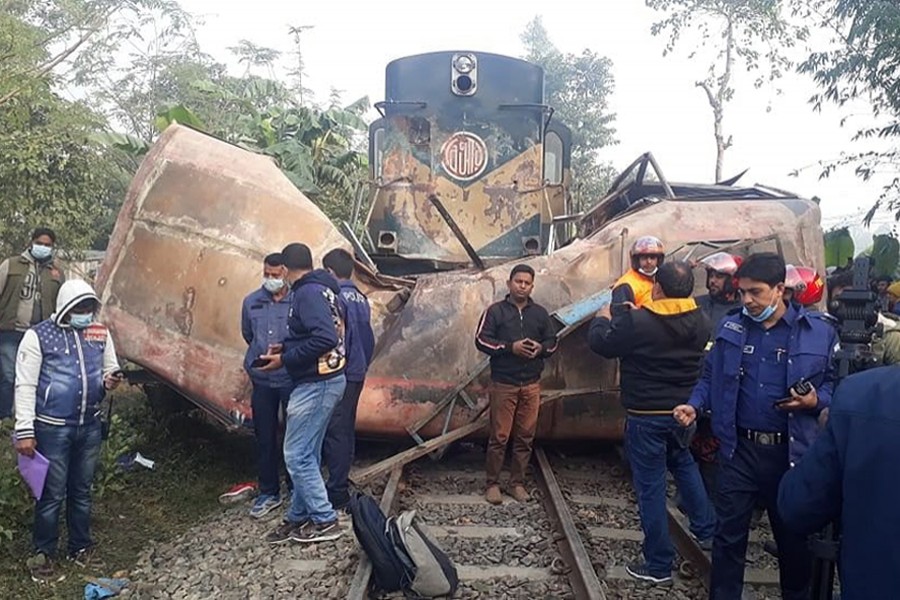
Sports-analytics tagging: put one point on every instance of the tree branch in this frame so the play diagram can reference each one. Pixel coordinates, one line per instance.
(49, 66)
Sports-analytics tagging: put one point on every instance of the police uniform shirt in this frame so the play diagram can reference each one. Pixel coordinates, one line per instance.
(764, 375)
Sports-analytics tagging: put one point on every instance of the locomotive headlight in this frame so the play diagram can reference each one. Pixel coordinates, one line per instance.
(464, 63)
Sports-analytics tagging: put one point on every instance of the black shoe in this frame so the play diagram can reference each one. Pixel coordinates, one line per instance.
(317, 532)
(43, 569)
(639, 571)
(771, 547)
(87, 558)
(705, 545)
(284, 532)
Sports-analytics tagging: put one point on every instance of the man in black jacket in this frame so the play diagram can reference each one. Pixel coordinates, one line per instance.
(517, 334)
(660, 347)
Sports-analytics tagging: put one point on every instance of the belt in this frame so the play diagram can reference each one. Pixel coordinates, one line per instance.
(764, 438)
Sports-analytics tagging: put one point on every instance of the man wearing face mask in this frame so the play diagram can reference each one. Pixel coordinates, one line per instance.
(264, 318)
(29, 284)
(635, 287)
(64, 367)
(753, 381)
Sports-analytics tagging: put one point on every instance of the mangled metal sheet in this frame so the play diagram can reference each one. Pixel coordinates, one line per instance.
(201, 215)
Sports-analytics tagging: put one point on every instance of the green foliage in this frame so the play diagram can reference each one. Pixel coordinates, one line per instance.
(839, 247)
(862, 63)
(885, 255)
(15, 499)
(123, 439)
(578, 87)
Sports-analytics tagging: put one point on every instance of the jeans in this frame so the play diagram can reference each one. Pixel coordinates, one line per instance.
(9, 345)
(266, 402)
(73, 452)
(514, 414)
(308, 413)
(750, 477)
(652, 446)
(340, 445)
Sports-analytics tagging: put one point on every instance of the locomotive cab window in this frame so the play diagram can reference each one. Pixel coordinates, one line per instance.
(553, 158)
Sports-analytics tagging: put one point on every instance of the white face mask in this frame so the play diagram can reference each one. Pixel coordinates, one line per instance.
(273, 285)
(41, 252)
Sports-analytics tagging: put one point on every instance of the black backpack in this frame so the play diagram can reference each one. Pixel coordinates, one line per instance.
(389, 574)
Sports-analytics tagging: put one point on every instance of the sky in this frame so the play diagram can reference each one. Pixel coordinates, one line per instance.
(657, 105)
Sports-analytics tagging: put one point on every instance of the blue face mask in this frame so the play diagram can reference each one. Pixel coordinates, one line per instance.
(273, 285)
(40, 252)
(765, 314)
(81, 321)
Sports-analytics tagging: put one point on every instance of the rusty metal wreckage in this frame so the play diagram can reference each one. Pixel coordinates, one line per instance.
(467, 179)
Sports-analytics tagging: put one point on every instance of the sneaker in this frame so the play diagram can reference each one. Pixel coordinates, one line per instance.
(705, 545)
(771, 548)
(241, 491)
(264, 504)
(492, 495)
(86, 558)
(520, 493)
(43, 569)
(317, 532)
(639, 571)
(284, 532)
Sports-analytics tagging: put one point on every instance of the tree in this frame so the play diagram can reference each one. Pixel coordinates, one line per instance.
(745, 33)
(578, 88)
(862, 64)
(51, 172)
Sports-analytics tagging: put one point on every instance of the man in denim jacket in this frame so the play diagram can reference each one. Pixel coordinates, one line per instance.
(749, 382)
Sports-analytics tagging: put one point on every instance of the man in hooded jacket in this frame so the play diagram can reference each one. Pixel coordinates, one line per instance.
(313, 354)
(65, 366)
(660, 347)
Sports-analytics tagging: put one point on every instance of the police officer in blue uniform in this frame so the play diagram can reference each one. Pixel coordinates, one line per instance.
(764, 417)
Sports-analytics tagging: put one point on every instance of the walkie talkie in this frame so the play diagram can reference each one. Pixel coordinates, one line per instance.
(801, 388)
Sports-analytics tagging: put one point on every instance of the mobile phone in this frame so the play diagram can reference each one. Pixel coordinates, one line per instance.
(258, 363)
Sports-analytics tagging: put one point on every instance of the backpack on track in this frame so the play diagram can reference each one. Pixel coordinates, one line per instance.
(433, 573)
(389, 574)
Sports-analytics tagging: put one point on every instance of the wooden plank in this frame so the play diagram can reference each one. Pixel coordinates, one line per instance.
(359, 586)
(362, 476)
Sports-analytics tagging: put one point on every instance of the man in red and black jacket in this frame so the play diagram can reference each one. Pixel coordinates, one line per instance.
(518, 335)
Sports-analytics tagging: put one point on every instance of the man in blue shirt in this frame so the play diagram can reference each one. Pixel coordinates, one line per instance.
(750, 382)
(359, 342)
(264, 317)
(850, 473)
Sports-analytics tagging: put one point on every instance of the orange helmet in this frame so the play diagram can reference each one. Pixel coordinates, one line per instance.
(808, 286)
(647, 246)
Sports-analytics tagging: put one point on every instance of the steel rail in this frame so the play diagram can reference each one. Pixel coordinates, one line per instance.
(359, 586)
(582, 576)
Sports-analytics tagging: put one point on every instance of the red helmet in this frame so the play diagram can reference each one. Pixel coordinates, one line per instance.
(647, 246)
(722, 262)
(808, 286)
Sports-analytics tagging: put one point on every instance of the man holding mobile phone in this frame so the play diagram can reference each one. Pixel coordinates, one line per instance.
(264, 318)
(518, 335)
(761, 355)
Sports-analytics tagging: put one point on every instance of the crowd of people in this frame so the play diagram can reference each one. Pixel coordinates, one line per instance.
(732, 391)
(309, 344)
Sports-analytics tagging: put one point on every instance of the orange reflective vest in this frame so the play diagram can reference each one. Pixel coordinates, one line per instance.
(641, 286)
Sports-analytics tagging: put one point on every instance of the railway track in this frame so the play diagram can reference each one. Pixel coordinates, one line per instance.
(571, 540)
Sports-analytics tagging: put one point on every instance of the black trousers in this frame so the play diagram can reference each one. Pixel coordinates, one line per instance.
(749, 478)
(340, 444)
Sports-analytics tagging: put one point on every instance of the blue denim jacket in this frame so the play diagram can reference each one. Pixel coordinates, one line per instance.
(810, 346)
(264, 322)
